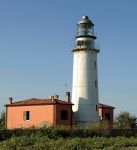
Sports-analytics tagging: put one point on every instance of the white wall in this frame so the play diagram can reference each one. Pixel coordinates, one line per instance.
(84, 92)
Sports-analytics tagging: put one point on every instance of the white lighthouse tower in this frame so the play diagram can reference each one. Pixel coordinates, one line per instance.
(85, 76)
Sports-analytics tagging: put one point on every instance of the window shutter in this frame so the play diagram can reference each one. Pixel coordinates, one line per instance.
(24, 115)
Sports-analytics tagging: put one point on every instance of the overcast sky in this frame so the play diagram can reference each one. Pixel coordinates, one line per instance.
(36, 39)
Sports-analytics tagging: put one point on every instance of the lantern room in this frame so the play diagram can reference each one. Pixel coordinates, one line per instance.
(85, 28)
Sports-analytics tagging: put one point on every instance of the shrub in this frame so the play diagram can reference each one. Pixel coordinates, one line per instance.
(40, 142)
(125, 120)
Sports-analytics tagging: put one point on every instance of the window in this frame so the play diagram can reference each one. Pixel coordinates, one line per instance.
(64, 115)
(96, 85)
(95, 64)
(107, 116)
(26, 115)
(96, 107)
(82, 42)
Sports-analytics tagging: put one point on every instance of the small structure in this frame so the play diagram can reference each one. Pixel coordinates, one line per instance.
(39, 112)
(106, 114)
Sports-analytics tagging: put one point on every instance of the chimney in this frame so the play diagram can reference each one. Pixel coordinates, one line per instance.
(10, 100)
(52, 98)
(56, 97)
(68, 97)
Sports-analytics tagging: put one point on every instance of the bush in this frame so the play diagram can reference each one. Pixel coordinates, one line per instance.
(2, 120)
(40, 142)
(125, 120)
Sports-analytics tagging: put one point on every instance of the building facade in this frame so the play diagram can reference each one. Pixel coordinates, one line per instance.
(38, 113)
(85, 74)
(106, 114)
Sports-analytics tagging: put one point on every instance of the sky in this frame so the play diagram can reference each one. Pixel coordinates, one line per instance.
(36, 39)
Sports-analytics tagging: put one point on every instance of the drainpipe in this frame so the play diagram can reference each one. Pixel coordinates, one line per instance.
(6, 117)
(54, 115)
(71, 116)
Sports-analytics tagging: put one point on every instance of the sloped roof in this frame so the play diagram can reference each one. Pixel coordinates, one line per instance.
(106, 106)
(36, 101)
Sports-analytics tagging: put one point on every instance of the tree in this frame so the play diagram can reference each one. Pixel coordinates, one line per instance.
(125, 120)
(2, 120)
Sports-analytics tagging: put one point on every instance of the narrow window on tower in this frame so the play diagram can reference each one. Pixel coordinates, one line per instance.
(96, 107)
(95, 64)
(96, 84)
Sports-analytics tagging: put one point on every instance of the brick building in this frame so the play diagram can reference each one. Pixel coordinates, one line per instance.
(48, 112)
(38, 112)
(106, 114)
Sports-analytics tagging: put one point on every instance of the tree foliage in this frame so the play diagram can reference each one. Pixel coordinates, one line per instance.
(2, 120)
(125, 120)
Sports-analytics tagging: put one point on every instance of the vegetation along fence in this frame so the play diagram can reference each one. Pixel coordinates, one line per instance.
(55, 133)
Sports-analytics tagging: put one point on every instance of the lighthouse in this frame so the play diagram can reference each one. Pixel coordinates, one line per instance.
(85, 74)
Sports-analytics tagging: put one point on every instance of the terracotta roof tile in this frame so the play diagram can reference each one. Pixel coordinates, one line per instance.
(36, 101)
(106, 106)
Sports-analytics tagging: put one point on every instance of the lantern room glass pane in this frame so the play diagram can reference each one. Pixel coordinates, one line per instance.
(84, 31)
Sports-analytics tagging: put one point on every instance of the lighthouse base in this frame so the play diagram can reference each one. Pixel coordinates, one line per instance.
(87, 125)
(84, 123)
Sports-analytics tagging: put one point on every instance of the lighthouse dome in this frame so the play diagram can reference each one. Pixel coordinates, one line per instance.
(85, 20)
(85, 28)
